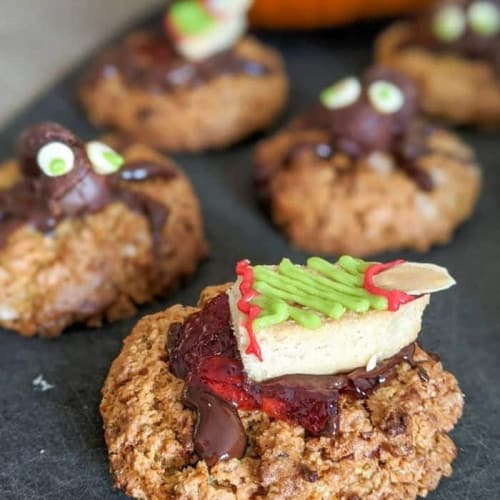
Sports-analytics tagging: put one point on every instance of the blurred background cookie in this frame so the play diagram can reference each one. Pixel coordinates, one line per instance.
(197, 83)
(362, 172)
(86, 233)
(453, 53)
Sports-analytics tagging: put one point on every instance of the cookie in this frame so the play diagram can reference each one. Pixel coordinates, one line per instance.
(87, 233)
(453, 53)
(183, 419)
(194, 86)
(363, 172)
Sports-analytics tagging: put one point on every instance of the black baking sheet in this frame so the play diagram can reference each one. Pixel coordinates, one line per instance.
(51, 442)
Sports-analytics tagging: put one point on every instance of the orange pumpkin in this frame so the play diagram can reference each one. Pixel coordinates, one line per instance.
(320, 13)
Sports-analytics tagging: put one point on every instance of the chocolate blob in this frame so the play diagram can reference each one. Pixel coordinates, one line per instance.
(148, 60)
(80, 190)
(359, 129)
(218, 433)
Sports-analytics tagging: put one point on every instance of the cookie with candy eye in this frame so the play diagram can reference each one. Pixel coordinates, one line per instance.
(363, 172)
(164, 87)
(292, 381)
(453, 53)
(87, 232)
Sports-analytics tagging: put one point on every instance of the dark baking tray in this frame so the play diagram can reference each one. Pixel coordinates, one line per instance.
(51, 443)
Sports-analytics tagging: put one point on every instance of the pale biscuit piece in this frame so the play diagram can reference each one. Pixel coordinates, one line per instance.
(338, 345)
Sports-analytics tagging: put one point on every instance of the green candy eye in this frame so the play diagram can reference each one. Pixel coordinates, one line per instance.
(55, 159)
(484, 18)
(341, 94)
(385, 97)
(190, 18)
(449, 23)
(104, 159)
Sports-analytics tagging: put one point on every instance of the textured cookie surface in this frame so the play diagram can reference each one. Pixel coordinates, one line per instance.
(214, 114)
(452, 87)
(366, 205)
(99, 266)
(392, 445)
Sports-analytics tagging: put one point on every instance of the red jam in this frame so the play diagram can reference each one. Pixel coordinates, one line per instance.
(203, 351)
(245, 272)
(395, 298)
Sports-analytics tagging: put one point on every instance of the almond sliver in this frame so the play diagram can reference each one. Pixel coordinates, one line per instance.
(415, 278)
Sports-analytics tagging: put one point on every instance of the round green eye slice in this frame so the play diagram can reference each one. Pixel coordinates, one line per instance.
(385, 97)
(55, 159)
(104, 160)
(484, 18)
(341, 94)
(449, 23)
(189, 17)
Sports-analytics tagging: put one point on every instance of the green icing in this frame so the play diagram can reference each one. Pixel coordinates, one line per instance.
(57, 166)
(299, 293)
(275, 310)
(190, 18)
(114, 158)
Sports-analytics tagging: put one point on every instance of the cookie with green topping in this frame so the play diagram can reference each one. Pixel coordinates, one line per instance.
(363, 172)
(186, 415)
(196, 83)
(88, 233)
(453, 52)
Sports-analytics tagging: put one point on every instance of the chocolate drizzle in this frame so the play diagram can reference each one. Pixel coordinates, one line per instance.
(358, 130)
(203, 352)
(148, 60)
(43, 202)
(470, 45)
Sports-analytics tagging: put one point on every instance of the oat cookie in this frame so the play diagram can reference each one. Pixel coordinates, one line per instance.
(87, 233)
(453, 53)
(381, 440)
(197, 84)
(363, 173)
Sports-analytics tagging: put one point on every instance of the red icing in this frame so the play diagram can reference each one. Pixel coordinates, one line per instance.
(395, 298)
(245, 271)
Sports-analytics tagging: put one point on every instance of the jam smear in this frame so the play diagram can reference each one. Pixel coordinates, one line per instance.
(203, 352)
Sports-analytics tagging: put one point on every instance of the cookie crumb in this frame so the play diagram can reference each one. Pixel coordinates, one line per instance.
(40, 384)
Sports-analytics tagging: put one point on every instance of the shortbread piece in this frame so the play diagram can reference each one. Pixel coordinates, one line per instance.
(336, 346)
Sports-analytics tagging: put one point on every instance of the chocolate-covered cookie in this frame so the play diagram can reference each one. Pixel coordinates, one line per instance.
(86, 233)
(453, 53)
(292, 382)
(198, 83)
(362, 172)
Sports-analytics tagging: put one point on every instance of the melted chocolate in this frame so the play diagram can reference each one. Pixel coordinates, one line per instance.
(144, 170)
(42, 201)
(218, 433)
(470, 45)
(203, 351)
(358, 130)
(149, 60)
